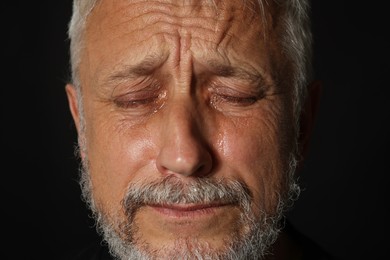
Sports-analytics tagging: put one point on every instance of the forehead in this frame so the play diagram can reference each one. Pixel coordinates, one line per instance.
(219, 16)
(240, 12)
(214, 7)
(229, 30)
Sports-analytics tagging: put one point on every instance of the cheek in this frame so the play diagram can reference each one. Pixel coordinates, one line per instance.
(117, 155)
(255, 152)
(252, 146)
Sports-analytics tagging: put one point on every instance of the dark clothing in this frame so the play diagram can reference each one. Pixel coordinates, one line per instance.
(311, 250)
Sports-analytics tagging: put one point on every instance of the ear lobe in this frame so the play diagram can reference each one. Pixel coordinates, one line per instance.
(73, 105)
(308, 116)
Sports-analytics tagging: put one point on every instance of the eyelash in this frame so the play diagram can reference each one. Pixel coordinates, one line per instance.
(245, 101)
(228, 96)
(135, 103)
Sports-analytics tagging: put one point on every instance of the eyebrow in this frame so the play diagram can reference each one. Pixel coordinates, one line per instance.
(147, 66)
(223, 70)
(153, 61)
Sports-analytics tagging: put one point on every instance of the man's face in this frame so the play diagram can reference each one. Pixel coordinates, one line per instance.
(180, 92)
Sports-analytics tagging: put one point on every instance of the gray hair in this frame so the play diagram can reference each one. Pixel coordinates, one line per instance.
(296, 41)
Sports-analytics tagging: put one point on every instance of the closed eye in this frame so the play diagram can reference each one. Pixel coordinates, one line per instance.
(133, 102)
(235, 100)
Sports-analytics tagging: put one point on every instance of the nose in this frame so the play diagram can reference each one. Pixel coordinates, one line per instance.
(184, 150)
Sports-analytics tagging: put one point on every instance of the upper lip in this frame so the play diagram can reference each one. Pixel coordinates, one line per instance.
(189, 207)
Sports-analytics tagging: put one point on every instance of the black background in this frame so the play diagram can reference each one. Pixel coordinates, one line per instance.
(344, 206)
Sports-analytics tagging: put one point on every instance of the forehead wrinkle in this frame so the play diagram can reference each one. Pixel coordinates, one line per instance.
(221, 16)
(216, 22)
(190, 14)
(155, 11)
(150, 20)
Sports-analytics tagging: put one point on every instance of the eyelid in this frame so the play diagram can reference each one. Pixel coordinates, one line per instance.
(137, 95)
(236, 100)
(228, 95)
(135, 85)
(237, 90)
(140, 96)
(226, 91)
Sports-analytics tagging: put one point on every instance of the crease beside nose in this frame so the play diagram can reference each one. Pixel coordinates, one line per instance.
(184, 150)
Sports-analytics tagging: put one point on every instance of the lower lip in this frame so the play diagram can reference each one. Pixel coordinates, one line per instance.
(188, 211)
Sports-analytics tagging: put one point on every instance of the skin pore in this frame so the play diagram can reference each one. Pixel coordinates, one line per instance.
(180, 99)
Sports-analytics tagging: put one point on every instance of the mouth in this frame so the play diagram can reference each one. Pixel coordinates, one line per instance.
(182, 211)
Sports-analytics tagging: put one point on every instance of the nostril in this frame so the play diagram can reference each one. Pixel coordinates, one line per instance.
(203, 170)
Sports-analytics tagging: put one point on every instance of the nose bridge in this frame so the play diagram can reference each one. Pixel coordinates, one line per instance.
(184, 119)
(184, 150)
(181, 125)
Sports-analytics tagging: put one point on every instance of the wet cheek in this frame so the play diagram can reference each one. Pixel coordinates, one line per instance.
(252, 155)
(244, 143)
(117, 156)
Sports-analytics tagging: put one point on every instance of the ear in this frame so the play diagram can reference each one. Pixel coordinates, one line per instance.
(308, 116)
(71, 93)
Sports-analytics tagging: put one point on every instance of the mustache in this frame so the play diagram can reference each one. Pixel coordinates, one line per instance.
(172, 190)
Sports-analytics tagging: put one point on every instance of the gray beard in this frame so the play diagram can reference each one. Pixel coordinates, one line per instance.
(252, 242)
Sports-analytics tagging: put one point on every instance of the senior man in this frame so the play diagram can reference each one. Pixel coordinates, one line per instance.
(192, 118)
